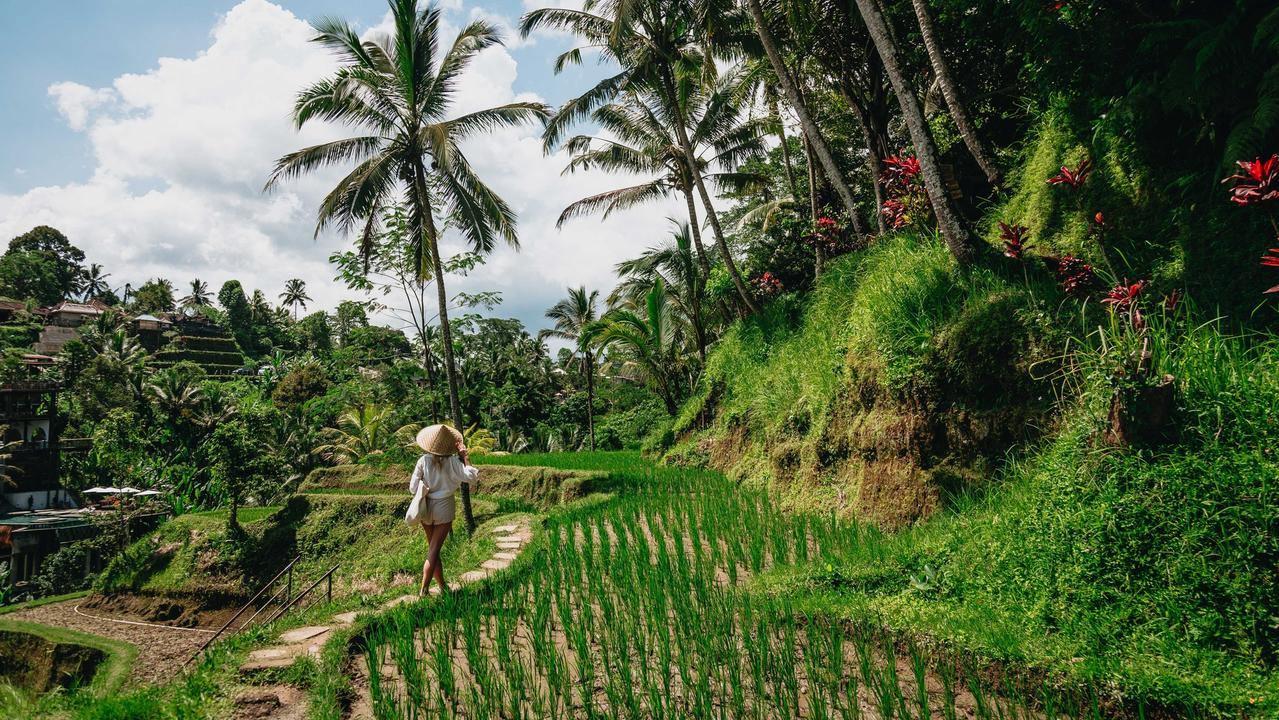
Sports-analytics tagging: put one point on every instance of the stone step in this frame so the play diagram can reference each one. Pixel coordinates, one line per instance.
(471, 576)
(399, 601)
(504, 529)
(494, 564)
(302, 634)
(345, 618)
(505, 555)
(510, 544)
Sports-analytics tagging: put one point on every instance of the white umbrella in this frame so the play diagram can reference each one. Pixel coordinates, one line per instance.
(102, 490)
(129, 491)
(148, 493)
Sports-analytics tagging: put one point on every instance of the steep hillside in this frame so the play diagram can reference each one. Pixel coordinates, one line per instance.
(981, 414)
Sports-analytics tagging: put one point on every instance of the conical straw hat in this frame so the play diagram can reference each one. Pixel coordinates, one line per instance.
(442, 440)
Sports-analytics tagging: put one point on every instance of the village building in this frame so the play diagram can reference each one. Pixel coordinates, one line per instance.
(63, 322)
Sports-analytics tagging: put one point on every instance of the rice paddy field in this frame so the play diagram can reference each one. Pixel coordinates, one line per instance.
(642, 605)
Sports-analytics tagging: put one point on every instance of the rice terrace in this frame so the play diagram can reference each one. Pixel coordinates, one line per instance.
(604, 360)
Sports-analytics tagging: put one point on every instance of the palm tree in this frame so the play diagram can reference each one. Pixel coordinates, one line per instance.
(812, 132)
(361, 431)
(93, 282)
(259, 307)
(397, 90)
(659, 52)
(673, 264)
(950, 92)
(572, 316)
(175, 394)
(199, 296)
(648, 338)
(294, 295)
(957, 239)
(641, 142)
(7, 446)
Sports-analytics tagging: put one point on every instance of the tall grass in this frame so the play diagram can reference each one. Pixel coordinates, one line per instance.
(637, 609)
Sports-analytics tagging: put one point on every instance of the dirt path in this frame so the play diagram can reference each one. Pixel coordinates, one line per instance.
(161, 650)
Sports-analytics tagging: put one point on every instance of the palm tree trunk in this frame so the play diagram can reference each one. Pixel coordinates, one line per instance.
(430, 379)
(690, 160)
(812, 206)
(957, 239)
(950, 92)
(703, 261)
(781, 135)
(446, 330)
(811, 131)
(590, 397)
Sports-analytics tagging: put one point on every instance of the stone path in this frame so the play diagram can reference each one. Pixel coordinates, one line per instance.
(307, 641)
(162, 650)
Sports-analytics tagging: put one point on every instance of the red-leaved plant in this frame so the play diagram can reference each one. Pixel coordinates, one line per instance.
(1077, 277)
(900, 169)
(1259, 181)
(894, 212)
(1271, 259)
(1072, 178)
(768, 285)
(1014, 237)
(1122, 298)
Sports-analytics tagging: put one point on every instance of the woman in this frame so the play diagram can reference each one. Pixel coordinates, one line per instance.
(437, 475)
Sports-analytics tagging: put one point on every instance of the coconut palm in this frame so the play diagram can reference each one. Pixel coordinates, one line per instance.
(673, 264)
(648, 338)
(294, 295)
(8, 472)
(813, 134)
(259, 307)
(361, 431)
(177, 395)
(640, 141)
(572, 316)
(397, 91)
(659, 52)
(958, 240)
(950, 92)
(93, 283)
(199, 296)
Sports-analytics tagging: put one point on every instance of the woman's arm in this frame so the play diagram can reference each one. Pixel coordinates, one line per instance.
(417, 478)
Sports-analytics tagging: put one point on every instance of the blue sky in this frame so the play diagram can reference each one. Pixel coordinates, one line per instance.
(144, 130)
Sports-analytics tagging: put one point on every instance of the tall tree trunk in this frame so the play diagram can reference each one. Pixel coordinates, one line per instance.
(957, 239)
(874, 156)
(590, 397)
(446, 331)
(703, 261)
(818, 255)
(705, 275)
(690, 160)
(430, 379)
(958, 111)
(811, 131)
(781, 135)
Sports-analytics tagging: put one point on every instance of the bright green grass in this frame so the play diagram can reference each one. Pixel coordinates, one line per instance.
(42, 601)
(113, 670)
(624, 460)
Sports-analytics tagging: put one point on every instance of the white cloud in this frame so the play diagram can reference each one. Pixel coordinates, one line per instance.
(76, 101)
(182, 151)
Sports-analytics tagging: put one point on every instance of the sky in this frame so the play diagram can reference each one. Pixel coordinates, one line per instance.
(145, 130)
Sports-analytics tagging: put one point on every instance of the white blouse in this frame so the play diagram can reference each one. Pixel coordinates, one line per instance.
(443, 479)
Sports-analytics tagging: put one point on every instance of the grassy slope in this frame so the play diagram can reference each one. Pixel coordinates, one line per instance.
(111, 673)
(1150, 574)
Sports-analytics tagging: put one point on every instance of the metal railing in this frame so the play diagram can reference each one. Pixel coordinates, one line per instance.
(288, 601)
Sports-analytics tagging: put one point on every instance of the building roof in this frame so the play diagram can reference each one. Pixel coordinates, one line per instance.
(18, 306)
(66, 306)
(149, 318)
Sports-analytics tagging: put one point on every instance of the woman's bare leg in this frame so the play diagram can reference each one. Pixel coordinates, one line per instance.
(427, 570)
(438, 534)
